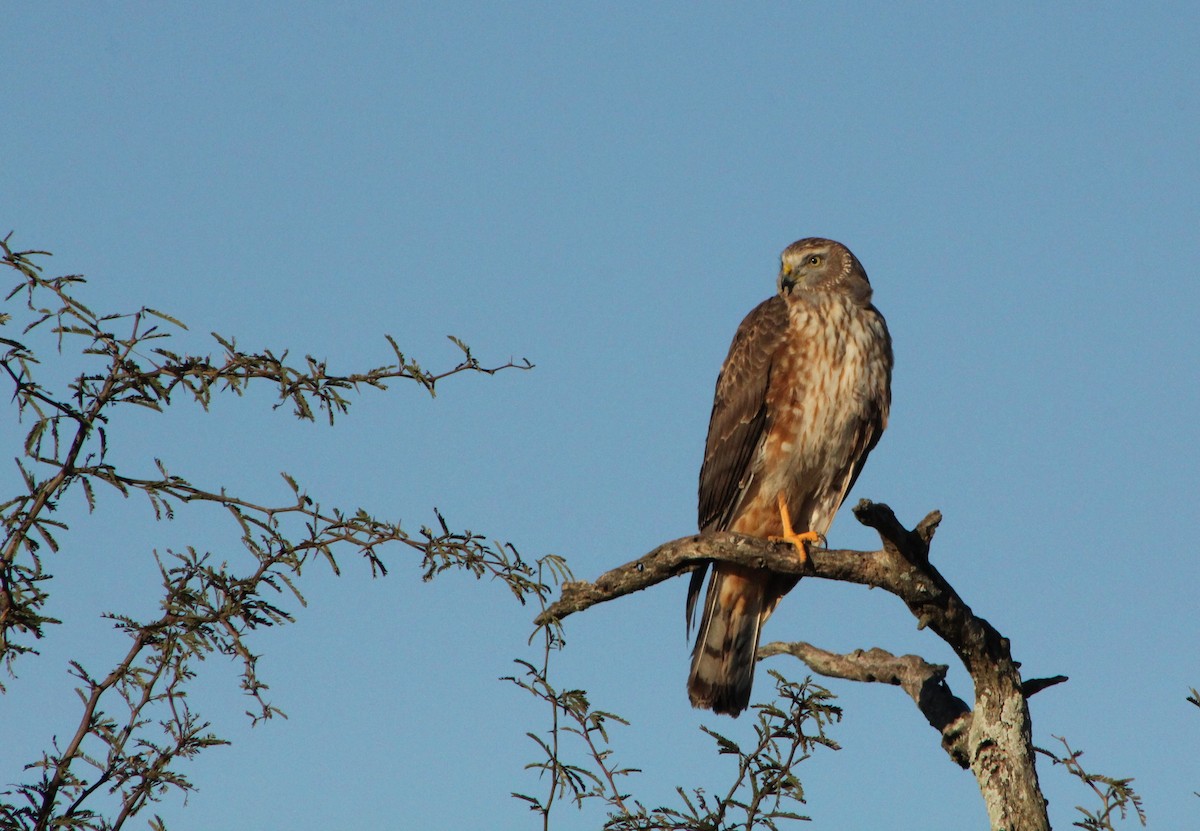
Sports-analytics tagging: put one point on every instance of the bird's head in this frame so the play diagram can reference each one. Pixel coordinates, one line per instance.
(822, 265)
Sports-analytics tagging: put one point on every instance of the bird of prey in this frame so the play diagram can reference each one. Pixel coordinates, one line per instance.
(802, 398)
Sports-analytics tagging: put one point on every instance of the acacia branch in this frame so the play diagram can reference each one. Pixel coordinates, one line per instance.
(67, 442)
(208, 606)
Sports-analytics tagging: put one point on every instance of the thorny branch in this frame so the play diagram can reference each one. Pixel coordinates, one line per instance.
(128, 745)
(1116, 796)
(67, 437)
(764, 789)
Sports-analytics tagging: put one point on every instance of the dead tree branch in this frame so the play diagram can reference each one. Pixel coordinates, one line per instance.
(993, 737)
(924, 682)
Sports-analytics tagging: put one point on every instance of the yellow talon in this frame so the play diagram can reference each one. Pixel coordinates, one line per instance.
(799, 541)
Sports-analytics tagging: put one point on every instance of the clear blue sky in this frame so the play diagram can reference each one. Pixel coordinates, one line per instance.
(604, 189)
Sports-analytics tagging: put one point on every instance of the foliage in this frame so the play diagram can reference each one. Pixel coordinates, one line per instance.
(137, 722)
(1116, 796)
(763, 788)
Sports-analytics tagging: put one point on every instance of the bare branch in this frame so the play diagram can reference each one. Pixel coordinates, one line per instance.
(1034, 686)
(993, 738)
(924, 682)
(669, 560)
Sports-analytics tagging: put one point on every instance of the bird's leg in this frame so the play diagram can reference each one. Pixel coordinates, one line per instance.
(799, 541)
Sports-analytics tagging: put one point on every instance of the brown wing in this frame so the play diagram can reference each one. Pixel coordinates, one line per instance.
(738, 423)
(739, 416)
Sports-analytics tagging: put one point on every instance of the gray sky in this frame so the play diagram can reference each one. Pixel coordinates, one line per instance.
(604, 189)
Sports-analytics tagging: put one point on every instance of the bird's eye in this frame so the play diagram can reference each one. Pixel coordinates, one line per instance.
(815, 259)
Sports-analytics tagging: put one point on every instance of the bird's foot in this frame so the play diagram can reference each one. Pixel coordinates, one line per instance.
(799, 541)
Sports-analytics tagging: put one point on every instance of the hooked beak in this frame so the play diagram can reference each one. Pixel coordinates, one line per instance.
(787, 281)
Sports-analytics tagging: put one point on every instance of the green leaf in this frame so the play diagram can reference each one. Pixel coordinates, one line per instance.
(164, 316)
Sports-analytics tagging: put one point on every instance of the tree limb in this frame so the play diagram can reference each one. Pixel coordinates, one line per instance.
(993, 737)
(924, 682)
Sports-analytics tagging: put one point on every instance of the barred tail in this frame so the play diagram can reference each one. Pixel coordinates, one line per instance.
(723, 657)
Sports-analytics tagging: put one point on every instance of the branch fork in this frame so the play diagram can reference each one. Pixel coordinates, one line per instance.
(992, 737)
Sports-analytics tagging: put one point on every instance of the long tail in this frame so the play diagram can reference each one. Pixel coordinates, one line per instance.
(723, 658)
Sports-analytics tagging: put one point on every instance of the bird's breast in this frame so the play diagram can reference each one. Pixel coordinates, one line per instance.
(829, 377)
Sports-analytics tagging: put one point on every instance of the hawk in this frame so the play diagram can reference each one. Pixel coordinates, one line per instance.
(802, 398)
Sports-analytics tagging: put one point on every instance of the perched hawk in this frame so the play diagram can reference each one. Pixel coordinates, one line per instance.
(801, 400)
